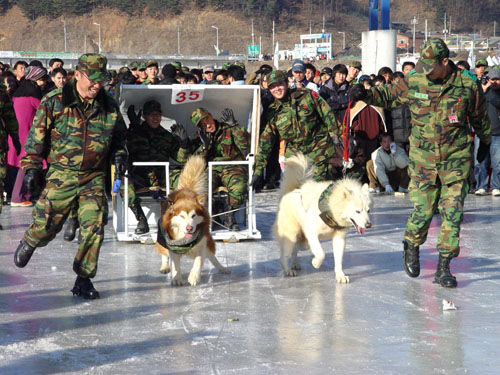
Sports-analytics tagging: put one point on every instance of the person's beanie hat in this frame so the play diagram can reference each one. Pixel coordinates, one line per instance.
(168, 71)
(34, 73)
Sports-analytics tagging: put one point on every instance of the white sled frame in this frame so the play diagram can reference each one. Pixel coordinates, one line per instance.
(216, 98)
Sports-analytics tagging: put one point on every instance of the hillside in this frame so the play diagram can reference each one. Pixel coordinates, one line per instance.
(150, 32)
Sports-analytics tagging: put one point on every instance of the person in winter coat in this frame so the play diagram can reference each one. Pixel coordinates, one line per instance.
(26, 100)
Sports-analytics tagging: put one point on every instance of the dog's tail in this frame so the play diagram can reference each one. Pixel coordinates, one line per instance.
(297, 171)
(193, 175)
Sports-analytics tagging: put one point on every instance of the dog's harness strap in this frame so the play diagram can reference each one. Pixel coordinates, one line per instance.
(325, 213)
(181, 246)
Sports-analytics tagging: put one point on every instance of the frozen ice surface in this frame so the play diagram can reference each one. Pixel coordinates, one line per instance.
(381, 323)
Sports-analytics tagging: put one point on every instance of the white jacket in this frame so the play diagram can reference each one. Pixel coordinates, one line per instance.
(383, 161)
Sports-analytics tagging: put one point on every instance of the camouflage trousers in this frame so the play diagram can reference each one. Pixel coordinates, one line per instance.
(64, 191)
(426, 199)
(323, 171)
(235, 179)
(141, 181)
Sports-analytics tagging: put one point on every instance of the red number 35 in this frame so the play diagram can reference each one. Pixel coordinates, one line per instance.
(189, 95)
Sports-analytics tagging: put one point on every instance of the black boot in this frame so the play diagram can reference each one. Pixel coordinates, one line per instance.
(142, 221)
(443, 275)
(230, 222)
(83, 288)
(70, 231)
(23, 254)
(411, 259)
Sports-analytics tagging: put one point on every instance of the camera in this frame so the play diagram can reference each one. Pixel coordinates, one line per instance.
(484, 80)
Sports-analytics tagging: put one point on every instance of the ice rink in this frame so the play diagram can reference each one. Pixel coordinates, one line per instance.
(255, 321)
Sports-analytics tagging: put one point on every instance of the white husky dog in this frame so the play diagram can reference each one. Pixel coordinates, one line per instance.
(310, 211)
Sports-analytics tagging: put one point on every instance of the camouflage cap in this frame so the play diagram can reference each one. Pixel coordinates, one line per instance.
(198, 115)
(225, 66)
(151, 63)
(431, 53)
(141, 66)
(93, 65)
(185, 69)
(355, 64)
(133, 65)
(481, 62)
(177, 65)
(123, 69)
(276, 76)
(112, 73)
(241, 65)
(150, 106)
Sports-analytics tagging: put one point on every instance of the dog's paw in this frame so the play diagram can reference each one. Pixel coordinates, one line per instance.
(224, 270)
(296, 266)
(165, 270)
(194, 279)
(290, 273)
(177, 281)
(342, 279)
(317, 262)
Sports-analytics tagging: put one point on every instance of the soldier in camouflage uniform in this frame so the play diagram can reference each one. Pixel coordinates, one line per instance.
(149, 141)
(152, 73)
(441, 99)
(8, 126)
(304, 121)
(77, 128)
(224, 141)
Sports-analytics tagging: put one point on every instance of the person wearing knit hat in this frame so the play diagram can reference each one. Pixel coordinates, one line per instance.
(168, 73)
(88, 132)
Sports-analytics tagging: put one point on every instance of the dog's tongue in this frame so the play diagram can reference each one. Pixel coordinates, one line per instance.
(360, 230)
(188, 235)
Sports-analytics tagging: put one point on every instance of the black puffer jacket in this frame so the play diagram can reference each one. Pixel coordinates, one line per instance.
(401, 127)
(493, 102)
(336, 96)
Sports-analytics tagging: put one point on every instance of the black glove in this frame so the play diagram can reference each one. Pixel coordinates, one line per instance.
(135, 119)
(120, 165)
(228, 117)
(205, 138)
(482, 151)
(33, 181)
(358, 92)
(257, 182)
(17, 145)
(179, 131)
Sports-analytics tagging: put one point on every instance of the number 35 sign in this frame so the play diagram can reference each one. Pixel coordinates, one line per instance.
(186, 95)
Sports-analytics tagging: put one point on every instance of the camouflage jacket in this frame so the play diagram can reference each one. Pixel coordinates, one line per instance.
(226, 143)
(72, 135)
(305, 121)
(9, 124)
(440, 140)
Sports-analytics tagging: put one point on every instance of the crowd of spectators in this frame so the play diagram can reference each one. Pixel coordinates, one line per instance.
(378, 138)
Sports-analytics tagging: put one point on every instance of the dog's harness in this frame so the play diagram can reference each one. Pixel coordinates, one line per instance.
(325, 213)
(181, 246)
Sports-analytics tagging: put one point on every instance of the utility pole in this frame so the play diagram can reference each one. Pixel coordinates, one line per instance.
(426, 30)
(260, 46)
(343, 38)
(323, 29)
(216, 39)
(65, 46)
(178, 41)
(414, 22)
(444, 30)
(253, 40)
(494, 29)
(310, 27)
(272, 47)
(99, 25)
